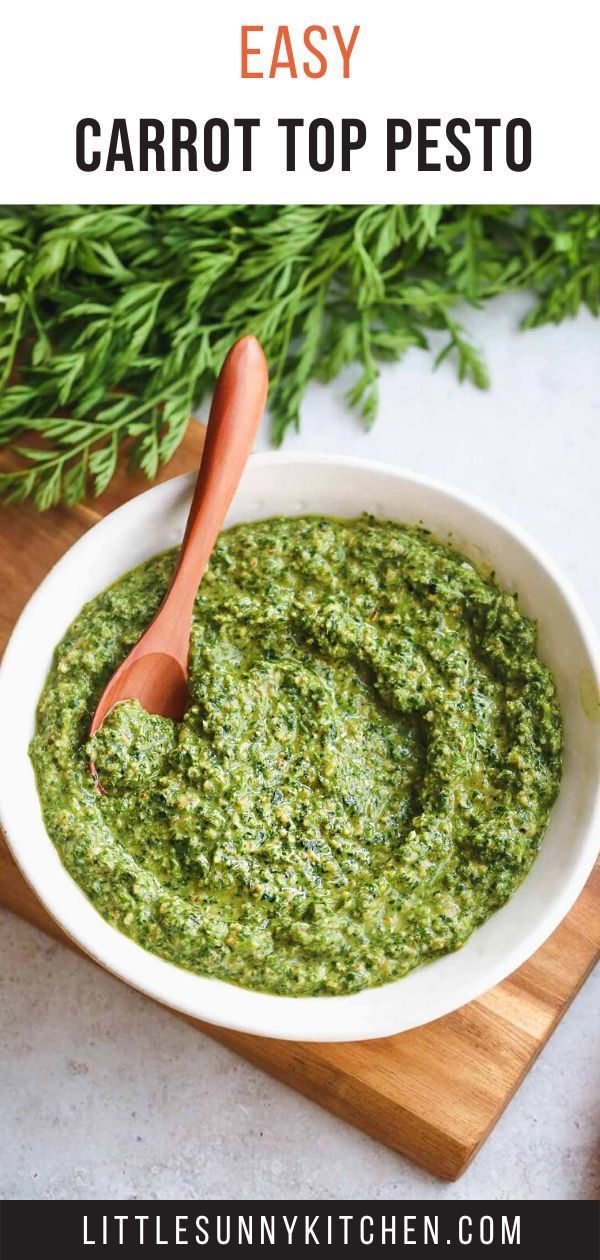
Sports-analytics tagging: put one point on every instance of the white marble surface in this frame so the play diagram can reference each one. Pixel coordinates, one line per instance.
(104, 1094)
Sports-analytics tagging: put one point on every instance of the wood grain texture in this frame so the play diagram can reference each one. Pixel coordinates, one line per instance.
(433, 1093)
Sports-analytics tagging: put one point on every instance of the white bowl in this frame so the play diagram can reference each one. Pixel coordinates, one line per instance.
(280, 484)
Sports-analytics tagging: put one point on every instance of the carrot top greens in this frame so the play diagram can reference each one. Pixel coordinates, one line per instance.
(114, 320)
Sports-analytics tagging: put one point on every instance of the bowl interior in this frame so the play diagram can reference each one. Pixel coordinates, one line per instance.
(292, 485)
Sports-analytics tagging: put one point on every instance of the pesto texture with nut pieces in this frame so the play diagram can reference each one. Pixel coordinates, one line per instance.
(364, 773)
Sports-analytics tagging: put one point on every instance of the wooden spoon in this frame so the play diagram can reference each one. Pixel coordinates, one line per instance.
(156, 670)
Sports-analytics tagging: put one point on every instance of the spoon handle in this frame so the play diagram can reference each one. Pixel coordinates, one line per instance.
(237, 406)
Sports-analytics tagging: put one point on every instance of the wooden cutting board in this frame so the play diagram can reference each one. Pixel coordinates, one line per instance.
(434, 1093)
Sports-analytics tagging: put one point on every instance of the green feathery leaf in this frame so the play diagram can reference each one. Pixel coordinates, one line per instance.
(114, 320)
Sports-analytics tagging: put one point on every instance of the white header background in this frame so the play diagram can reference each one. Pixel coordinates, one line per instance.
(70, 59)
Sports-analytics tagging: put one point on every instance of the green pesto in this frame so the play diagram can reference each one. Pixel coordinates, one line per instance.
(363, 775)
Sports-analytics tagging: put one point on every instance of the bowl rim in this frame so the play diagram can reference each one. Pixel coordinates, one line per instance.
(252, 1011)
